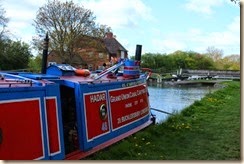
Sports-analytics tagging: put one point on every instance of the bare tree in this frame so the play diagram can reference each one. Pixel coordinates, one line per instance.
(101, 31)
(66, 23)
(3, 22)
(236, 2)
(214, 53)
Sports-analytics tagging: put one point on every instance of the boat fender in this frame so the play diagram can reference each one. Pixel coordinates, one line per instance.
(82, 72)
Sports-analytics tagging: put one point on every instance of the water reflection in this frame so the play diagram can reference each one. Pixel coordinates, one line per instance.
(174, 99)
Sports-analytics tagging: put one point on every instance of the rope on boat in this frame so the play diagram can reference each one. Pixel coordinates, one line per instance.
(158, 110)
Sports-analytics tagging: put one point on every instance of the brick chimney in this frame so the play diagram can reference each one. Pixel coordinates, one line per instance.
(109, 35)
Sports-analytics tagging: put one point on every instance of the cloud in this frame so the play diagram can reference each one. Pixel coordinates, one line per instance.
(21, 16)
(195, 39)
(202, 6)
(123, 15)
(235, 25)
(116, 14)
(119, 13)
(168, 45)
(227, 40)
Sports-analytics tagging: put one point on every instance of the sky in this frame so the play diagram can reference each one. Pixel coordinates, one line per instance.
(160, 26)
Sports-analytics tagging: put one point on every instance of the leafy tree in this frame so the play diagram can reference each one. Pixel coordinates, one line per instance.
(235, 62)
(159, 62)
(14, 55)
(35, 63)
(169, 63)
(179, 59)
(148, 61)
(231, 62)
(66, 23)
(191, 63)
(203, 62)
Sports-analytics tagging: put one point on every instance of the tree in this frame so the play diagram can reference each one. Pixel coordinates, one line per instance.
(148, 61)
(66, 23)
(35, 63)
(101, 31)
(176, 60)
(203, 62)
(179, 59)
(3, 23)
(235, 62)
(214, 53)
(14, 55)
(236, 2)
(231, 62)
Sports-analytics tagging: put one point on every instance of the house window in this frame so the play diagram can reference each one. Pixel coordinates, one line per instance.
(122, 55)
(90, 66)
(100, 55)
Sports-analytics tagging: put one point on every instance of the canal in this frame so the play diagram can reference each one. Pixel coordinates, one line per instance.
(175, 98)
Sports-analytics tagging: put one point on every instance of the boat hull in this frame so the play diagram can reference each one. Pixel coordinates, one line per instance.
(68, 117)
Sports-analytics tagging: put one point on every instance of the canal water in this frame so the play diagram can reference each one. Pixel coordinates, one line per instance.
(175, 98)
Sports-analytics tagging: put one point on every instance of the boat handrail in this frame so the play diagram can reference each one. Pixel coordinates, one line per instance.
(20, 79)
(106, 71)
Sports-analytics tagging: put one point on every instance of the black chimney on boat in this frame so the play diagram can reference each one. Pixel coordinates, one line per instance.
(138, 54)
(44, 54)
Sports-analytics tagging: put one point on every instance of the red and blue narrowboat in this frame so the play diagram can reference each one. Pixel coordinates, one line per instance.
(59, 114)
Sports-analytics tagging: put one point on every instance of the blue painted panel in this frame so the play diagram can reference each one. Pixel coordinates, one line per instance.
(53, 92)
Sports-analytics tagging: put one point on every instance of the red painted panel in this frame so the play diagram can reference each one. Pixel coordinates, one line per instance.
(21, 130)
(95, 123)
(53, 133)
(128, 105)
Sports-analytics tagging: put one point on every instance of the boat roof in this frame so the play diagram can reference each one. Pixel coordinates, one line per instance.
(31, 80)
(23, 79)
(91, 79)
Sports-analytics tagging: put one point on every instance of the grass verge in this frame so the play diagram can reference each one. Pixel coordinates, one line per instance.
(207, 130)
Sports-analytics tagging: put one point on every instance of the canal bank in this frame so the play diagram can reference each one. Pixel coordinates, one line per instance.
(207, 130)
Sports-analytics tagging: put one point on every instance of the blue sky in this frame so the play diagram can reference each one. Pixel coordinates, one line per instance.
(160, 26)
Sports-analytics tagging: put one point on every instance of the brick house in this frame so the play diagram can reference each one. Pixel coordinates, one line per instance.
(93, 53)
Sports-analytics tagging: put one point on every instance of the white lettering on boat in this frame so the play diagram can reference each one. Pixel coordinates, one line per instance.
(132, 115)
(97, 97)
(127, 95)
(128, 105)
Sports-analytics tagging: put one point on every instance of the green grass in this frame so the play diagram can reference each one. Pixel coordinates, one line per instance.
(207, 130)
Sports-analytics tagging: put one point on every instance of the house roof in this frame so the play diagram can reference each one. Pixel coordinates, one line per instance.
(108, 44)
(112, 45)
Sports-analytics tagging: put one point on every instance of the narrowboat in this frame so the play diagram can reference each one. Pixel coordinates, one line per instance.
(61, 115)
